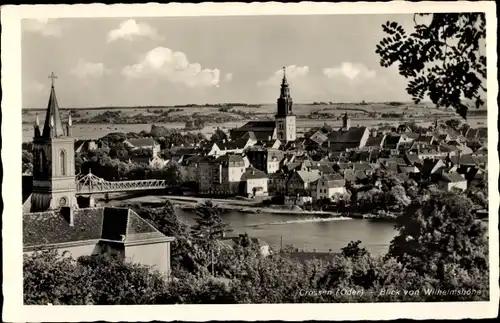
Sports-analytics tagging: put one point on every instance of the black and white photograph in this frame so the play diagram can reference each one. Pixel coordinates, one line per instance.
(277, 155)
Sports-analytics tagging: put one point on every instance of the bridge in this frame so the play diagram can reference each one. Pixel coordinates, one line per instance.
(91, 184)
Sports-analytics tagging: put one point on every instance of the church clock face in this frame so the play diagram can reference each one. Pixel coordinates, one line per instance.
(63, 201)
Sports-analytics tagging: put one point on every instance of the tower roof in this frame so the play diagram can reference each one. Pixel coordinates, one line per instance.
(53, 117)
(284, 81)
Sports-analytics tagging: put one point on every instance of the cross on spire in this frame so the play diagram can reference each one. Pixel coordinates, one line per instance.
(52, 76)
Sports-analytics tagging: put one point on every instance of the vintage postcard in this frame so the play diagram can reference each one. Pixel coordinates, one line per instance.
(281, 161)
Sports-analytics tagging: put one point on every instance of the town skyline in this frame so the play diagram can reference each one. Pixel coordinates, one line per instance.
(148, 64)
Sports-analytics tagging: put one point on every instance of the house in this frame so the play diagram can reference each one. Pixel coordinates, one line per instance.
(432, 167)
(236, 146)
(424, 141)
(89, 145)
(318, 138)
(299, 182)
(264, 247)
(392, 141)
(262, 130)
(158, 162)
(431, 153)
(347, 138)
(363, 167)
(330, 185)
(143, 143)
(451, 181)
(191, 167)
(273, 144)
(210, 149)
(221, 175)
(267, 160)
(354, 176)
(412, 159)
(375, 142)
(277, 183)
(476, 134)
(255, 182)
(90, 231)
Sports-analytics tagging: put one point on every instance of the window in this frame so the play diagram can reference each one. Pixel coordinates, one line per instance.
(41, 161)
(62, 161)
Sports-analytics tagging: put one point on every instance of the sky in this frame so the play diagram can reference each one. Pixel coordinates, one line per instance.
(198, 60)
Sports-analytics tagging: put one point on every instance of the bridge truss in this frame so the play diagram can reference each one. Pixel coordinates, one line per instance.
(91, 184)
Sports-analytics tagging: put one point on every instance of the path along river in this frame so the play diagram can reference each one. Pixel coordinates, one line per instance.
(308, 232)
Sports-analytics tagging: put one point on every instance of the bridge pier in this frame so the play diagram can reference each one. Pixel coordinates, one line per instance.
(91, 201)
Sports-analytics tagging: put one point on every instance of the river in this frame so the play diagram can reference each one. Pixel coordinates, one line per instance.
(307, 232)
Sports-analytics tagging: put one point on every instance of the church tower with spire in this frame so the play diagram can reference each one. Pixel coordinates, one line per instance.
(54, 183)
(285, 119)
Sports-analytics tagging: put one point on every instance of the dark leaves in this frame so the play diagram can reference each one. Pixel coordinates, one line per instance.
(441, 58)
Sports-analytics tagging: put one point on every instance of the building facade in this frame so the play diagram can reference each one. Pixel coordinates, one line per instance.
(285, 119)
(53, 161)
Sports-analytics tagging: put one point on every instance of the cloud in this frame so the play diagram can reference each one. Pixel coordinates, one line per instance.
(228, 77)
(174, 67)
(43, 26)
(88, 70)
(351, 71)
(293, 72)
(130, 30)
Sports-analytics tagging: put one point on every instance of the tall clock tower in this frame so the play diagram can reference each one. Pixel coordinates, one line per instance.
(53, 160)
(285, 119)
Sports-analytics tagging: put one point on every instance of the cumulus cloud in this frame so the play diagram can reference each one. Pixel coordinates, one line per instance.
(43, 26)
(293, 72)
(130, 30)
(88, 70)
(351, 71)
(228, 77)
(173, 66)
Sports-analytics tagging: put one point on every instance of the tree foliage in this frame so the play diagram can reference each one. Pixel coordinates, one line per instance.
(443, 57)
(58, 279)
(219, 136)
(440, 245)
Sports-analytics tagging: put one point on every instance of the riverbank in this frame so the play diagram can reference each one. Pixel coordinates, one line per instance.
(251, 206)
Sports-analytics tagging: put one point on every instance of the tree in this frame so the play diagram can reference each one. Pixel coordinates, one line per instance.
(453, 124)
(218, 136)
(439, 235)
(443, 57)
(173, 174)
(27, 162)
(352, 250)
(58, 279)
(209, 225)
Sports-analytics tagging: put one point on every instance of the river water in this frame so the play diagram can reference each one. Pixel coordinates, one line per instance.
(307, 232)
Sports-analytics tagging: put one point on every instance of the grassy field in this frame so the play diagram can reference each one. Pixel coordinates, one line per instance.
(94, 131)
(269, 110)
(359, 114)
